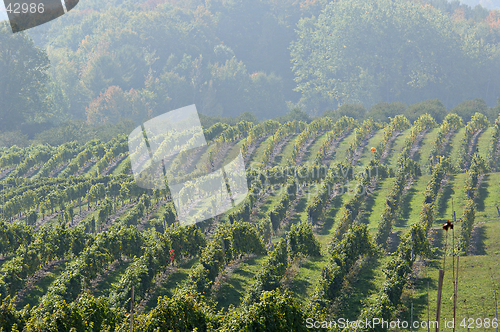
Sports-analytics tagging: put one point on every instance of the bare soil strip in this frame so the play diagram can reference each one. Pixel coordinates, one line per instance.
(6, 171)
(88, 164)
(113, 164)
(32, 170)
(58, 169)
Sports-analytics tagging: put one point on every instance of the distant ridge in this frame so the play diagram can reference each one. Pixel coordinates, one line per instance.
(490, 4)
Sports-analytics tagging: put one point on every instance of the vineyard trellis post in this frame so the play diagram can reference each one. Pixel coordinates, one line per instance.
(438, 307)
(453, 209)
(496, 312)
(454, 280)
(3, 200)
(428, 312)
(411, 318)
(132, 310)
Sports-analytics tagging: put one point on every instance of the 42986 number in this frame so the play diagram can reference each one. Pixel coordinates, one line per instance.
(478, 323)
(24, 8)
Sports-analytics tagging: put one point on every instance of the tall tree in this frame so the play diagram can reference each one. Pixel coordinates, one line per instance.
(368, 51)
(23, 78)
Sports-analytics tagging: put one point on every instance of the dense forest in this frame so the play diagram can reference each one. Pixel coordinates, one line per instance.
(127, 61)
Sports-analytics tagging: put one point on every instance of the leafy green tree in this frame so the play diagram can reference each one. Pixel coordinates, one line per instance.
(114, 105)
(23, 80)
(169, 216)
(230, 80)
(266, 96)
(434, 108)
(355, 111)
(467, 109)
(381, 112)
(379, 50)
(494, 112)
(295, 114)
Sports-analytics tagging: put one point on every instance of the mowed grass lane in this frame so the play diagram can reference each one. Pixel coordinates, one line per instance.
(340, 152)
(396, 148)
(483, 142)
(40, 288)
(366, 154)
(233, 291)
(423, 155)
(313, 150)
(285, 154)
(455, 144)
(256, 158)
(375, 204)
(411, 205)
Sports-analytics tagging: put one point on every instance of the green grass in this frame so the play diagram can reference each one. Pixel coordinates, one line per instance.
(313, 150)
(35, 295)
(172, 282)
(339, 153)
(396, 148)
(478, 277)
(483, 142)
(105, 287)
(258, 152)
(327, 225)
(478, 274)
(300, 213)
(490, 198)
(423, 155)
(92, 170)
(307, 277)
(487, 198)
(268, 205)
(455, 142)
(366, 154)
(282, 157)
(411, 205)
(453, 195)
(242, 278)
(300, 209)
(61, 170)
(119, 169)
(370, 280)
(34, 173)
(233, 152)
(377, 201)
